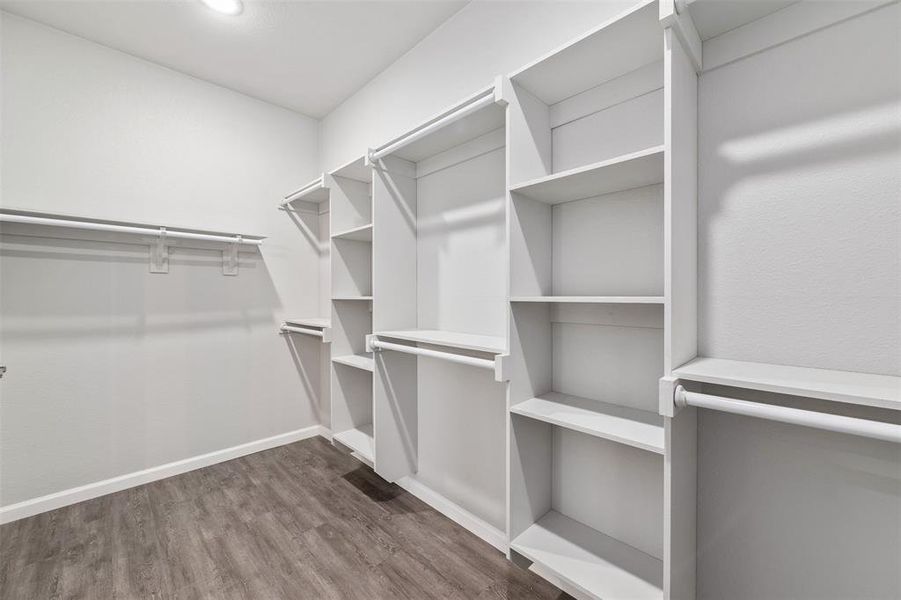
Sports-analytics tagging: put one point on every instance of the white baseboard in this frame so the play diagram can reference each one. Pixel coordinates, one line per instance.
(455, 512)
(35, 506)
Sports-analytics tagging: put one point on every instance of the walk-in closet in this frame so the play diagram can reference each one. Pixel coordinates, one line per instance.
(453, 299)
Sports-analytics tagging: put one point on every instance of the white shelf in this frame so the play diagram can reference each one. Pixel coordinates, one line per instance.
(714, 17)
(313, 192)
(637, 428)
(320, 322)
(591, 299)
(357, 361)
(623, 44)
(359, 440)
(352, 298)
(593, 563)
(883, 391)
(357, 234)
(356, 169)
(448, 130)
(634, 170)
(451, 339)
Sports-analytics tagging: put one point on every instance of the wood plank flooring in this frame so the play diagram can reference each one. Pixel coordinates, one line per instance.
(299, 521)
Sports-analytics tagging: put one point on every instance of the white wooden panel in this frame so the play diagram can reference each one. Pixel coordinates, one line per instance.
(621, 129)
(610, 487)
(680, 506)
(461, 247)
(351, 268)
(530, 247)
(351, 398)
(350, 202)
(624, 88)
(610, 245)
(617, 315)
(625, 43)
(450, 339)
(395, 410)
(619, 365)
(529, 136)
(531, 457)
(461, 451)
(394, 245)
(680, 204)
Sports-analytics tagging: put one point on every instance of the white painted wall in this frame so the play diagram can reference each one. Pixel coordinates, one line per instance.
(800, 263)
(113, 369)
(485, 39)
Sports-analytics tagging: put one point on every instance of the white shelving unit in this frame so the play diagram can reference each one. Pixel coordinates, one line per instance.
(601, 188)
(351, 295)
(439, 258)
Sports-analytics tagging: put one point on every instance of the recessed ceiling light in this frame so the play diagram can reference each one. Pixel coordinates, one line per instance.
(226, 7)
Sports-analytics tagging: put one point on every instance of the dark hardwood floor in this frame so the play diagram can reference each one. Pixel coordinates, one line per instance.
(299, 521)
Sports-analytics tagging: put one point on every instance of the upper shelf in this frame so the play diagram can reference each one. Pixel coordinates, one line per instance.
(882, 391)
(356, 169)
(627, 42)
(633, 170)
(313, 192)
(451, 339)
(715, 17)
(591, 299)
(320, 322)
(473, 117)
(357, 234)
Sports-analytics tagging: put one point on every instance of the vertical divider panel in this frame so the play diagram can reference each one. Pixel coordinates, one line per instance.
(395, 419)
(680, 315)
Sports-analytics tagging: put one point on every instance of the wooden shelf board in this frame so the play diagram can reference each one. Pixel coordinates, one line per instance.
(596, 564)
(630, 426)
(618, 46)
(591, 299)
(467, 128)
(359, 440)
(356, 169)
(713, 17)
(319, 322)
(357, 361)
(883, 391)
(352, 298)
(637, 169)
(451, 339)
(315, 192)
(357, 234)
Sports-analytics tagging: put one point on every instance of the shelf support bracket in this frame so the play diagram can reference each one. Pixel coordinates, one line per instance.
(230, 258)
(159, 254)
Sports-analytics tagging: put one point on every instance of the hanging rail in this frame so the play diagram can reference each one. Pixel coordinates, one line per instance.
(477, 102)
(304, 330)
(482, 363)
(155, 231)
(807, 418)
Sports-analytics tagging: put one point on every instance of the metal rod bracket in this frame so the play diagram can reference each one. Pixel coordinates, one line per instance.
(159, 254)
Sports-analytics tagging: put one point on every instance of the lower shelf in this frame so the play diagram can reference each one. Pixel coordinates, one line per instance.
(359, 440)
(593, 563)
(357, 361)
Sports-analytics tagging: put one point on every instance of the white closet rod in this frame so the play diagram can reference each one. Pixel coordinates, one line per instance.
(304, 330)
(187, 235)
(479, 102)
(482, 363)
(307, 189)
(862, 427)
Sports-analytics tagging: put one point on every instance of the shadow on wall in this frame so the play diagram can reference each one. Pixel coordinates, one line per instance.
(53, 288)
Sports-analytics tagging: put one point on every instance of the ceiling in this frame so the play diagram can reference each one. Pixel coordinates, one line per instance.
(306, 56)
